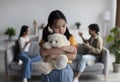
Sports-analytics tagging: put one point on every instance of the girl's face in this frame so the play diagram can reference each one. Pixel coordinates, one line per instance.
(59, 26)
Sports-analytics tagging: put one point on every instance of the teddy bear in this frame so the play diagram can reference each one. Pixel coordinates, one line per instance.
(54, 41)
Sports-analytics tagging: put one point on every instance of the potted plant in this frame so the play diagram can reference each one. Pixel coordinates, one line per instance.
(77, 24)
(10, 31)
(115, 47)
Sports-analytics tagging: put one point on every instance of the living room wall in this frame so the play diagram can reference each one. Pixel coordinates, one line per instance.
(19, 12)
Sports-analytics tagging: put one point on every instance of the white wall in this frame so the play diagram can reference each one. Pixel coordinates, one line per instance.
(19, 12)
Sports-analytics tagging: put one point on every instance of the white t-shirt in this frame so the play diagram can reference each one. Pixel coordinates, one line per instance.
(22, 42)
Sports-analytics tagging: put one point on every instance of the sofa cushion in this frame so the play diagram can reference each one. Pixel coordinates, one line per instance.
(81, 49)
(94, 67)
(34, 48)
(15, 66)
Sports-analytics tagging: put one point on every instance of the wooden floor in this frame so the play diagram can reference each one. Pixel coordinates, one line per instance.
(112, 77)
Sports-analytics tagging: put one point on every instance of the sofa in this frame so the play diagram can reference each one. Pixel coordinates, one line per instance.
(13, 69)
(99, 67)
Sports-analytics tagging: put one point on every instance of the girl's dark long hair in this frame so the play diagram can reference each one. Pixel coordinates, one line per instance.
(52, 19)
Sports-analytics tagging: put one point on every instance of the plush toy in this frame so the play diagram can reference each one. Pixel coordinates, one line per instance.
(54, 40)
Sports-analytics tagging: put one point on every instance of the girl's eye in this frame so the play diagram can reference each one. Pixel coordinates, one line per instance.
(64, 26)
(56, 27)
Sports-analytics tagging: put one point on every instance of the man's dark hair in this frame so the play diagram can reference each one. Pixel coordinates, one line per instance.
(94, 27)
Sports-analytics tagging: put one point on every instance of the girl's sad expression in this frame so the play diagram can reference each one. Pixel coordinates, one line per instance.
(59, 26)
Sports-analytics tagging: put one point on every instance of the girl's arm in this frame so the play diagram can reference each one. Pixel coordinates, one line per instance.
(47, 52)
(69, 51)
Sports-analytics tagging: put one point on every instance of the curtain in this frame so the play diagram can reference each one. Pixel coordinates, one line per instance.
(118, 14)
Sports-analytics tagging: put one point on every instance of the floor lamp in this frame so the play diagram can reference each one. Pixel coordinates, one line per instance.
(106, 18)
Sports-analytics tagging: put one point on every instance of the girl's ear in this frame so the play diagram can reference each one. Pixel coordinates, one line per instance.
(50, 30)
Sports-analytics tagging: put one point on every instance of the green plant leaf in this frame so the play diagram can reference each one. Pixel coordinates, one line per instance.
(115, 30)
(110, 38)
(77, 24)
(10, 31)
(115, 43)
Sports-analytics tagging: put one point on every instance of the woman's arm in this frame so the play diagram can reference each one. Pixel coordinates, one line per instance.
(23, 44)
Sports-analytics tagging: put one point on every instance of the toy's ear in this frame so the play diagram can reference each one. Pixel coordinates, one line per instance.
(49, 36)
(47, 45)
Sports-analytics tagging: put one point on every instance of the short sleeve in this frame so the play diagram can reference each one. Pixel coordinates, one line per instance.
(73, 41)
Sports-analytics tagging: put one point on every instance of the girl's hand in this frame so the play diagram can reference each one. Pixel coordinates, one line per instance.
(50, 58)
(70, 49)
(53, 51)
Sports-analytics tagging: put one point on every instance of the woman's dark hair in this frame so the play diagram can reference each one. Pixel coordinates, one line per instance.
(24, 29)
(52, 19)
(94, 27)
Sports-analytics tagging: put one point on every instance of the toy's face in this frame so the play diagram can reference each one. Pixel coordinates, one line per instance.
(57, 40)
(53, 42)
